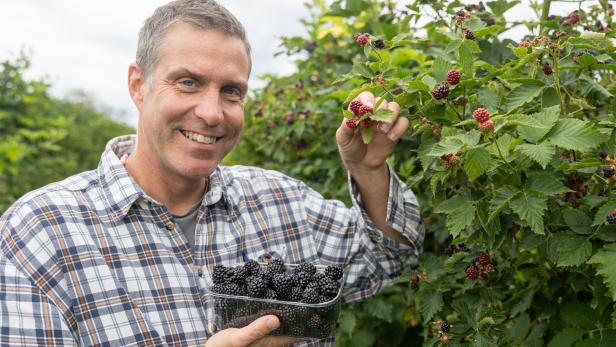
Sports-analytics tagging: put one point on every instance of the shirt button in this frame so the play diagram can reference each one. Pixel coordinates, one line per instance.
(169, 226)
(200, 272)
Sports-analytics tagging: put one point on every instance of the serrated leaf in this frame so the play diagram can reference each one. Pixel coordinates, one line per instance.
(529, 206)
(575, 134)
(382, 115)
(367, 134)
(606, 266)
(578, 314)
(541, 153)
(430, 302)
(569, 250)
(546, 184)
(488, 99)
(603, 211)
(380, 308)
(347, 321)
(577, 221)
(501, 200)
(429, 81)
(566, 338)
(466, 58)
(447, 145)
(476, 162)
(451, 204)
(521, 95)
(544, 121)
(460, 218)
(361, 69)
(440, 68)
(354, 93)
(482, 340)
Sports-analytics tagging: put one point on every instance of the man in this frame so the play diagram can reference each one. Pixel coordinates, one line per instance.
(119, 256)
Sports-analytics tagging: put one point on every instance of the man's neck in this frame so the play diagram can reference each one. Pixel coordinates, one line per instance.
(178, 195)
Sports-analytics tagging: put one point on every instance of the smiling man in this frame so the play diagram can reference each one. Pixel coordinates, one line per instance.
(119, 256)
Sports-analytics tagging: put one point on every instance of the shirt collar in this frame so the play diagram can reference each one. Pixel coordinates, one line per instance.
(120, 189)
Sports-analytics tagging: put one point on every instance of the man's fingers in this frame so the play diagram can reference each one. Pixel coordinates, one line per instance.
(395, 109)
(256, 330)
(398, 129)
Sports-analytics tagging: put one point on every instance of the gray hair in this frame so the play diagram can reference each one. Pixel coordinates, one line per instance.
(202, 14)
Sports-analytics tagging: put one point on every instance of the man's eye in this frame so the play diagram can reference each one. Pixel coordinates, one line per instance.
(232, 91)
(188, 82)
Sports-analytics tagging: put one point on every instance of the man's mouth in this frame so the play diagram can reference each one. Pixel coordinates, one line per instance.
(198, 137)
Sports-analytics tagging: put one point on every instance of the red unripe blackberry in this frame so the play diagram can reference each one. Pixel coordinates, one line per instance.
(547, 69)
(351, 123)
(574, 17)
(486, 126)
(367, 123)
(481, 115)
(469, 35)
(414, 278)
(453, 77)
(440, 91)
(354, 106)
(362, 39)
(483, 260)
(472, 273)
(363, 109)
(524, 43)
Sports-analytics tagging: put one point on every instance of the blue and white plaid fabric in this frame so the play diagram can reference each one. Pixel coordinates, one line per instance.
(94, 261)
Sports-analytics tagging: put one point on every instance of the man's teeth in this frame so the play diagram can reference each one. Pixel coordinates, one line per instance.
(198, 137)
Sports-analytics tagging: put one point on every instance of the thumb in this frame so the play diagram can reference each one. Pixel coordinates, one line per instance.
(257, 330)
(344, 134)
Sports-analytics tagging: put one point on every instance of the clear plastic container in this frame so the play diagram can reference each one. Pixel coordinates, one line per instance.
(297, 319)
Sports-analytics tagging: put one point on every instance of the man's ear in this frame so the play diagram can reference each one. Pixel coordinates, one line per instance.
(136, 85)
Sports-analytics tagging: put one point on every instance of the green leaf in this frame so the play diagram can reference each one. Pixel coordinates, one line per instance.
(546, 184)
(476, 162)
(460, 218)
(578, 314)
(367, 134)
(382, 115)
(466, 58)
(603, 211)
(440, 68)
(577, 221)
(529, 206)
(502, 198)
(521, 95)
(576, 135)
(483, 340)
(606, 266)
(451, 204)
(347, 321)
(569, 250)
(380, 308)
(566, 338)
(545, 120)
(361, 69)
(541, 153)
(489, 99)
(447, 145)
(429, 301)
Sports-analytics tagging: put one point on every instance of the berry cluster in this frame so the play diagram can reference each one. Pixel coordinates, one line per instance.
(610, 169)
(571, 19)
(453, 249)
(415, 279)
(441, 328)
(450, 160)
(272, 281)
(482, 117)
(482, 266)
(535, 41)
(359, 109)
(441, 90)
(611, 218)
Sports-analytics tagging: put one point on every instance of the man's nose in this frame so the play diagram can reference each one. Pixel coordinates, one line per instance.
(209, 107)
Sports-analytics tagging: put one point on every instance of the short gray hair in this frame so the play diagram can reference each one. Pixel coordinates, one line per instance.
(202, 14)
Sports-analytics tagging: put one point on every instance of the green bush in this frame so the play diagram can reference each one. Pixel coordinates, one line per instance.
(532, 194)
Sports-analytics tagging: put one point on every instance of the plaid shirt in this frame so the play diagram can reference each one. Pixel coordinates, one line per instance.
(93, 260)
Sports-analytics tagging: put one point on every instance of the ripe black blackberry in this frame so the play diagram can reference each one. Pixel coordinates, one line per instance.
(255, 286)
(328, 288)
(311, 295)
(379, 44)
(334, 272)
(469, 35)
(228, 289)
(220, 274)
(296, 294)
(238, 275)
(269, 294)
(608, 172)
(547, 69)
(252, 267)
(303, 278)
(440, 91)
(611, 218)
(444, 327)
(307, 267)
(282, 284)
(277, 266)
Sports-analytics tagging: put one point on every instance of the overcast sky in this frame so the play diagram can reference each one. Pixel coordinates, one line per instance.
(88, 44)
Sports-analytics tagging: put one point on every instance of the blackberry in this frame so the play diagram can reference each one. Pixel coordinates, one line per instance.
(414, 278)
(608, 172)
(282, 284)
(362, 39)
(318, 326)
(453, 77)
(296, 294)
(547, 69)
(440, 91)
(472, 273)
(267, 273)
(269, 294)
(611, 218)
(220, 274)
(444, 327)
(311, 295)
(469, 35)
(252, 267)
(334, 272)
(255, 286)
(229, 289)
(414, 285)
(486, 126)
(238, 275)
(363, 109)
(328, 288)
(307, 268)
(277, 265)
(354, 107)
(367, 123)
(483, 260)
(379, 44)
(303, 278)
(351, 123)
(481, 115)
(603, 155)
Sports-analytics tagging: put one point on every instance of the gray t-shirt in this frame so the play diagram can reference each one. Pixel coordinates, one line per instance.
(188, 224)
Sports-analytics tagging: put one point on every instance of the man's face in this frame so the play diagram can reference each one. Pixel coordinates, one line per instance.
(191, 109)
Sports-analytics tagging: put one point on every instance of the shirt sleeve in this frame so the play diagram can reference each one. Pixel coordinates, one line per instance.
(27, 317)
(348, 237)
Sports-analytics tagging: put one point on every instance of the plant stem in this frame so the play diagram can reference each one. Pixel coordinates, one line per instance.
(545, 13)
(501, 153)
